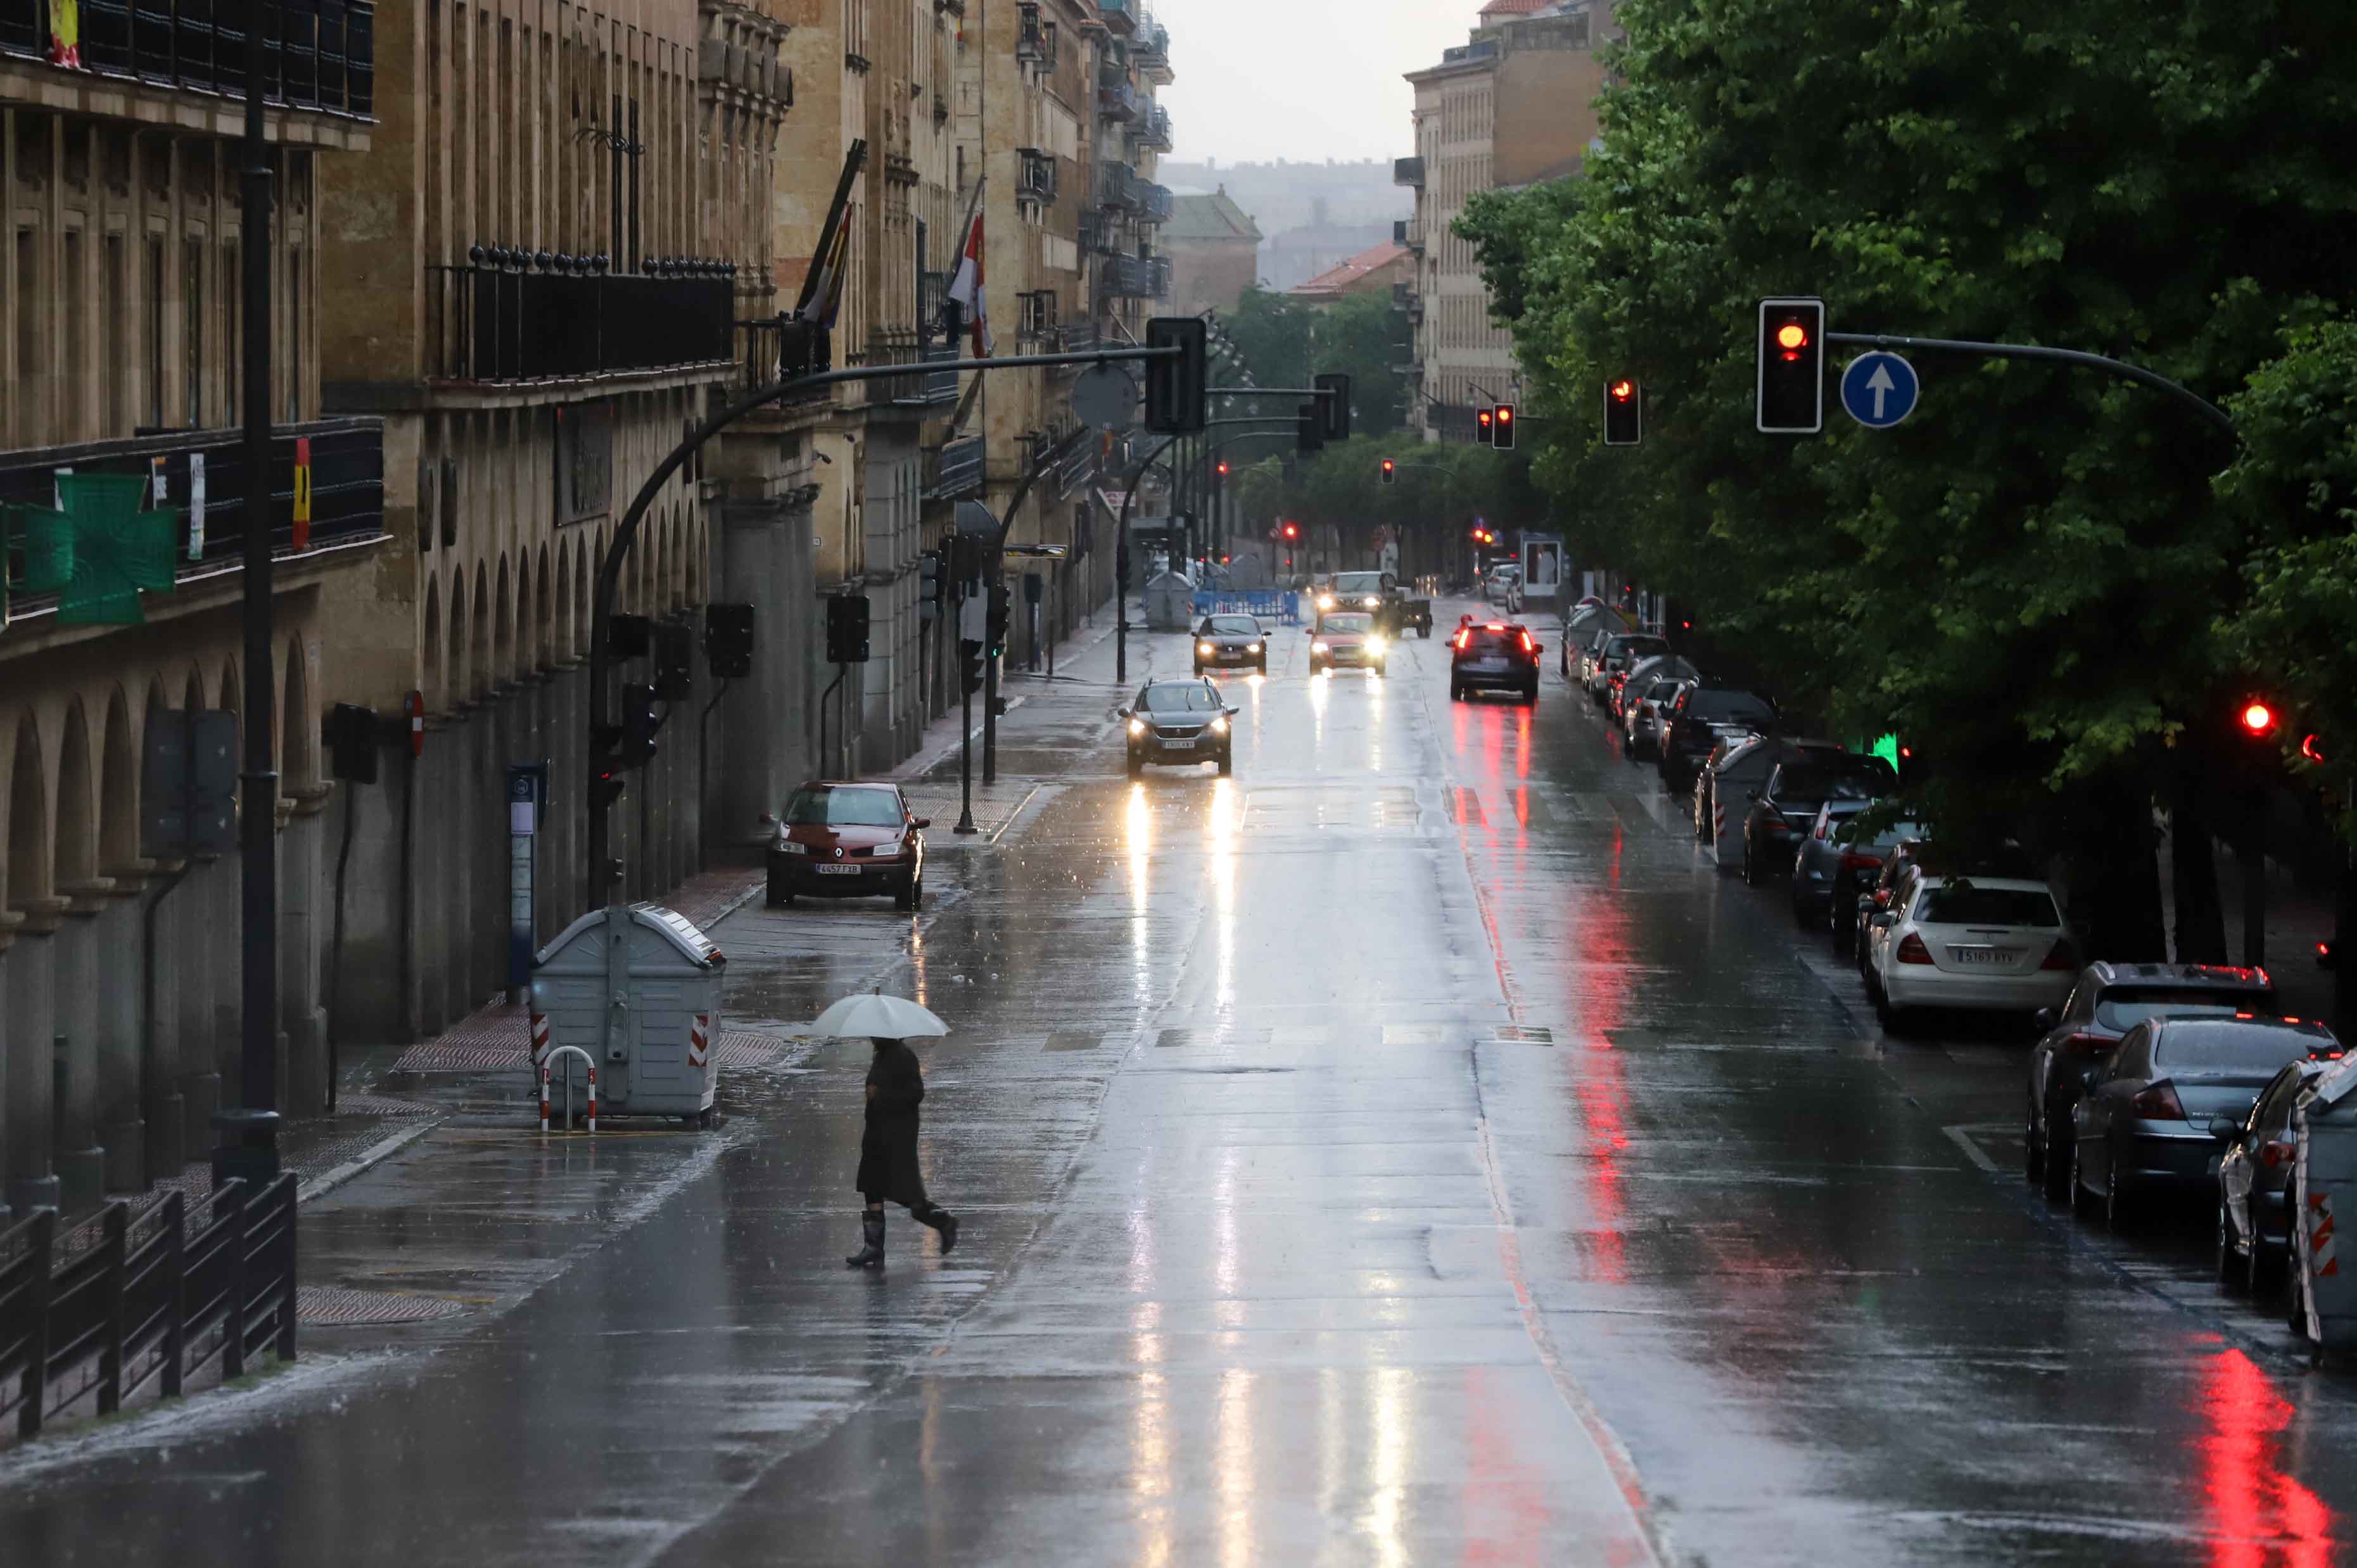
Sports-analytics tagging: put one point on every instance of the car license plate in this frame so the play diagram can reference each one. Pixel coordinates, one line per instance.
(1488, 665)
(839, 870)
(1177, 745)
(1984, 955)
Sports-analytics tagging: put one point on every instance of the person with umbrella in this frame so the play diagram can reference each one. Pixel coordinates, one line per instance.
(888, 1143)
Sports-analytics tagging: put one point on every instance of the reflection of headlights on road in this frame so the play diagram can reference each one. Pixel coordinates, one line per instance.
(1318, 645)
(788, 846)
(1137, 726)
(1252, 648)
(1205, 648)
(1325, 601)
(1370, 601)
(1220, 727)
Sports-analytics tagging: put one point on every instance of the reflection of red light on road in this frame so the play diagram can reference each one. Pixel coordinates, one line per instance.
(1504, 1513)
(2259, 1515)
(1600, 941)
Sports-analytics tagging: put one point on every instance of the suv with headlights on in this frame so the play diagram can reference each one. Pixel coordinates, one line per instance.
(1493, 656)
(1179, 722)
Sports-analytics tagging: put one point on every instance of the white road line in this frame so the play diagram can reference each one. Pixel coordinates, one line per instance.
(1961, 1135)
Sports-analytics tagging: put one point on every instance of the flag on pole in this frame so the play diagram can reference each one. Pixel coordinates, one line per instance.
(966, 284)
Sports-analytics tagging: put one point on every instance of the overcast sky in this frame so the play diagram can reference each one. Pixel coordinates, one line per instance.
(1303, 80)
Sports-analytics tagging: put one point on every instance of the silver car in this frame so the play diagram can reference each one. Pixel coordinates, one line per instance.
(2254, 1178)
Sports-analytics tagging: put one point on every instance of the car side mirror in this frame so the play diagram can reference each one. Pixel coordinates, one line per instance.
(2225, 1128)
(1866, 904)
(1121, 712)
(921, 821)
(2044, 1019)
(1884, 921)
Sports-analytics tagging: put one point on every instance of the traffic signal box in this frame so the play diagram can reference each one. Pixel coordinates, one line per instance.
(1624, 412)
(1485, 427)
(729, 641)
(1310, 432)
(1177, 388)
(1336, 407)
(1391, 470)
(1504, 437)
(847, 629)
(1791, 367)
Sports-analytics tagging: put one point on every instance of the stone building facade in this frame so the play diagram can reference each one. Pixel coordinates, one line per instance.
(1214, 249)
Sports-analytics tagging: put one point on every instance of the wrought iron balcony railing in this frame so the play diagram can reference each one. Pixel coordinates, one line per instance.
(1152, 130)
(515, 316)
(953, 469)
(1035, 176)
(1120, 16)
(1408, 171)
(781, 348)
(1115, 184)
(319, 54)
(1152, 203)
(1117, 102)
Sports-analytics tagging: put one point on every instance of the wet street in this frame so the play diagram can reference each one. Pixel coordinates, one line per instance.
(1407, 1149)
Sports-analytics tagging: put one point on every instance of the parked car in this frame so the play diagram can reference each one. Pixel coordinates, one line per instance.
(848, 841)
(2143, 1124)
(1617, 685)
(2254, 1177)
(2107, 1002)
(1985, 943)
(1641, 722)
(1617, 655)
(1347, 637)
(1493, 656)
(1735, 782)
(1917, 857)
(1699, 722)
(1787, 806)
(1225, 640)
(1834, 860)
(1180, 722)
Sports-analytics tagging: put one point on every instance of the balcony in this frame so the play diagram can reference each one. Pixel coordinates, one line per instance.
(781, 348)
(1100, 234)
(941, 386)
(1120, 16)
(1078, 337)
(1152, 130)
(319, 54)
(1150, 51)
(1074, 468)
(1408, 232)
(1158, 280)
(1035, 37)
(1035, 176)
(1117, 102)
(1125, 277)
(513, 316)
(1115, 183)
(897, 346)
(1152, 203)
(953, 469)
(347, 491)
(1408, 171)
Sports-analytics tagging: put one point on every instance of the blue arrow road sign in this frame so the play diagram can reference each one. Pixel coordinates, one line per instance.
(1880, 389)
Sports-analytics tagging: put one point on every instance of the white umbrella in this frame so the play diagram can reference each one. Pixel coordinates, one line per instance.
(878, 1017)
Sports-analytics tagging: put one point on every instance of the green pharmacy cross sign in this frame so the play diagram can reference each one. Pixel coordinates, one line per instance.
(99, 550)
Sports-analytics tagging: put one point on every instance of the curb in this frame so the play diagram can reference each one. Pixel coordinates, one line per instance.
(375, 1154)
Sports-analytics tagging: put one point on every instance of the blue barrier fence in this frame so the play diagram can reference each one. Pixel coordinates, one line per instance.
(1281, 605)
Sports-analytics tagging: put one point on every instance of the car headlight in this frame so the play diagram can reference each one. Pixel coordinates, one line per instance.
(1317, 645)
(1220, 727)
(1374, 645)
(788, 846)
(1137, 726)
(1325, 601)
(1252, 648)
(1370, 601)
(1205, 648)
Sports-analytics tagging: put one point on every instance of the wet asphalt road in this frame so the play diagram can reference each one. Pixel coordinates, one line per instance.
(1407, 1150)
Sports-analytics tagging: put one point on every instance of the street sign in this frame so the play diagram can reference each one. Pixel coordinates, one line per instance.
(1880, 389)
(1105, 398)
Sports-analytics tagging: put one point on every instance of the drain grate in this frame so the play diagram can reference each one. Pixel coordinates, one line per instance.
(347, 1308)
(378, 1105)
(1523, 1032)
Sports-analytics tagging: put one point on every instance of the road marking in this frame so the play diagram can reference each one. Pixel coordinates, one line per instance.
(1962, 1136)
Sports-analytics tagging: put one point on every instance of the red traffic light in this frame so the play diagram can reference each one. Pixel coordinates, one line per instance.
(1623, 391)
(1483, 417)
(2258, 719)
(1791, 337)
(1292, 531)
(1223, 467)
(2310, 749)
(1390, 468)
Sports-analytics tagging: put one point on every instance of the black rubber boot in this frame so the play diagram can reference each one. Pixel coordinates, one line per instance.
(871, 1256)
(943, 1220)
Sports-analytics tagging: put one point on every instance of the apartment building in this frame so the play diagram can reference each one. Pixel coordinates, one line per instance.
(123, 489)
(1512, 106)
(1214, 249)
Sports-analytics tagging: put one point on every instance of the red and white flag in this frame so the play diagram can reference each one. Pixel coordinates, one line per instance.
(965, 284)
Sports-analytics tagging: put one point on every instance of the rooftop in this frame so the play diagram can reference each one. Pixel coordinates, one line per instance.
(1213, 217)
(1338, 280)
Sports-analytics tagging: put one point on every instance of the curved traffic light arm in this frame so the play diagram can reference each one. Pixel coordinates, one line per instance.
(2209, 411)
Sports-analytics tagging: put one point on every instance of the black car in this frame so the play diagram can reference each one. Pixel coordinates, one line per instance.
(1179, 722)
(1788, 805)
(2109, 1000)
(2254, 1178)
(1226, 641)
(1692, 729)
(1493, 656)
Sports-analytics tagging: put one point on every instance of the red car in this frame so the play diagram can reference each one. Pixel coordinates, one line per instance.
(1493, 656)
(848, 841)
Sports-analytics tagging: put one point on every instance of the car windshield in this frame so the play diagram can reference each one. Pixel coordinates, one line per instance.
(1358, 583)
(844, 809)
(1233, 626)
(1353, 624)
(2123, 1008)
(1966, 904)
(1639, 647)
(1189, 698)
(2227, 1047)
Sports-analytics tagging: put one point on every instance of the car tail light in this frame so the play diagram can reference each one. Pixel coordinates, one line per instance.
(2088, 1045)
(2277, 1152)
(2158, 1102)
(1912, 950)
(1528, 647)
(1463, 638)
(1882, 898)
(2062, 956)
(1861, 862)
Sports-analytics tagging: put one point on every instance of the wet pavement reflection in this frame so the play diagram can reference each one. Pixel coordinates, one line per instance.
(1407, 1148)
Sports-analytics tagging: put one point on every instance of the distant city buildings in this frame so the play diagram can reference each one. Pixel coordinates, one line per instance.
(1312, 216)
(1376, 270)
(1215, 251)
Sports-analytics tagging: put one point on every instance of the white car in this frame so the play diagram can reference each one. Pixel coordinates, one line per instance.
(1992, 944)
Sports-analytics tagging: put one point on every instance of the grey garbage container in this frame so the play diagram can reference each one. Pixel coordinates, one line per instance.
(637, 988)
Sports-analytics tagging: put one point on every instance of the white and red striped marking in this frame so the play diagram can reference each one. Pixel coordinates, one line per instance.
(698, 1036)
(2321, 1262)
(539, 1039)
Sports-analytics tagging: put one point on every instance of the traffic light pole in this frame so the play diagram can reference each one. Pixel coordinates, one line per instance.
(2185, 396)
(1121, 562)
(603, 881)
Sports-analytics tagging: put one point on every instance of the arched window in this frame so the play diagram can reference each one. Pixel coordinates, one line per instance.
(25, 875)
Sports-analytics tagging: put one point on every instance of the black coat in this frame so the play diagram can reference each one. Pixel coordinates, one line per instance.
(888, 1145)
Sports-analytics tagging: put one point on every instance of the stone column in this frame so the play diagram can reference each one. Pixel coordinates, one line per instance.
(9, 920)
(81, 1161)
(194, 916)
(305, 912)
(159, 1041)
(122, 957)
(30, 1010)
(759, 747)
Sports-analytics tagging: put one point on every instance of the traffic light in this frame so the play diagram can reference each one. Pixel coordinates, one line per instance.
(846, 628)
(1309, 431)
(1390, 470)
(998, 619)
(1791, 367)
(2259, 719)
(674, 661)
(1176, 388)
(629, 637)
(1222, 467)
(729, 641)
(1337, 406)
(616, 749)
(1505, 435)
(1292, 531)
(1624, 412)
(1485, 427)
(970, 665)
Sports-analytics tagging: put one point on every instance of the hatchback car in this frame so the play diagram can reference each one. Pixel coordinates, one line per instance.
(1701, 720)
(1347, 636)
(848, 841)
(2144, 1123)
(2254, 1177)
(1493, 656)
(1834, 860)
(1179, 722)
(2108, 1000)
(1226, 641)
(1787, 806)
(1987, 944)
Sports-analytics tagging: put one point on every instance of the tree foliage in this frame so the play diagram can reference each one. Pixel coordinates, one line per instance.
(2032, 578)
(1286, 339)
